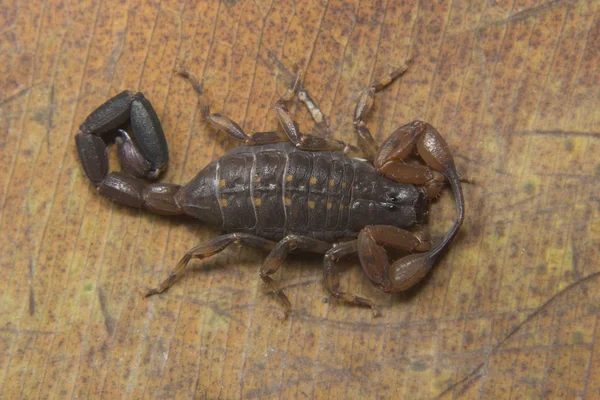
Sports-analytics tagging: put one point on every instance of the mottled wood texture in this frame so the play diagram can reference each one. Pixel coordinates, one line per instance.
(511, 312)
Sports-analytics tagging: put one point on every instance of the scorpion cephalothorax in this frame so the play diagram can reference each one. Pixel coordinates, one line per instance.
(299, 192)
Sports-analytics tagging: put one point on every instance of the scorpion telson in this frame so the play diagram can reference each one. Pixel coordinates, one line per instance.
(287, 192)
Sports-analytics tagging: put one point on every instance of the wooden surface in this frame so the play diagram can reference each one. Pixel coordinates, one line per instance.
(511, 312)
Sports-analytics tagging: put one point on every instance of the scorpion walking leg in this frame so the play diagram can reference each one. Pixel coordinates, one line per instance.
(365, 103)
(292, 130)
(207, 249)
(276, 257)
(332, 275)
(224, 123)
(433, 150)
(304, 141)
(297, 89)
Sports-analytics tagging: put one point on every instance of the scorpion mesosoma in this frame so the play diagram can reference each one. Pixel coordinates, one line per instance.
(281, 193)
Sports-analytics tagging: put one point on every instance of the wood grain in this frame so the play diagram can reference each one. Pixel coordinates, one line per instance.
(511, 312)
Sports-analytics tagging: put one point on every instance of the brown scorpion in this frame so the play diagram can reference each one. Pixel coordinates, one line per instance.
(281, 193)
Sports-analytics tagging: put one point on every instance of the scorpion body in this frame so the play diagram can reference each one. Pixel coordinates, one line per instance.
(275, 190)
(277, 194)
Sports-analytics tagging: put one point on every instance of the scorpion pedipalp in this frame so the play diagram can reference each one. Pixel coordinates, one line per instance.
(143, 153)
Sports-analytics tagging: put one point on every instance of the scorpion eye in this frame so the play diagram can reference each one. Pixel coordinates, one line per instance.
(390, 207)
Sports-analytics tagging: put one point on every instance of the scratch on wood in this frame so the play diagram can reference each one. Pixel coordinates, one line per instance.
(18, 332)
(558, 132)
(31, 291)
(15, 96)
(213, 305)
(524, 14)
(473, 374)
(50, 118)
(329, 375)
(109, 322)
(529, 12)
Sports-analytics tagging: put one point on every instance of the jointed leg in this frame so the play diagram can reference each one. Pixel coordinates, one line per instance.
(296, 88)
(290, 127)
(224, 123)
(207, 249)
(332, 275)
(364, 105)
(301, 140)
(276, 257)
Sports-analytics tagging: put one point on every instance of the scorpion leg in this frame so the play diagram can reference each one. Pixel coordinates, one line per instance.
(223, 123)
(434, 151)
(297, 89)
(291, 128)
(276, 257)
(207, 249)
(332, 275)
(308, 142)
(365, 103)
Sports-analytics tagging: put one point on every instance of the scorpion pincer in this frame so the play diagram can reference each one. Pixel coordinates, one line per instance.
(281, 193)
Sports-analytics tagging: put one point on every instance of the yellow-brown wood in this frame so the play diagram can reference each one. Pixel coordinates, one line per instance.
(511, 311)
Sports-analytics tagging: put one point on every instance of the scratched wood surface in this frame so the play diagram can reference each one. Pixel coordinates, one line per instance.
(511, 312)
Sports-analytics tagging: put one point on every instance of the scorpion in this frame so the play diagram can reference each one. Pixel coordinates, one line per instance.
(292, 191)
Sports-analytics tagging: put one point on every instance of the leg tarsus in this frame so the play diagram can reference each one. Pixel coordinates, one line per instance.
(365, 103)
(332, 276)
(223, 123)
(281, 296)
(279, 253)
(291, 129)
